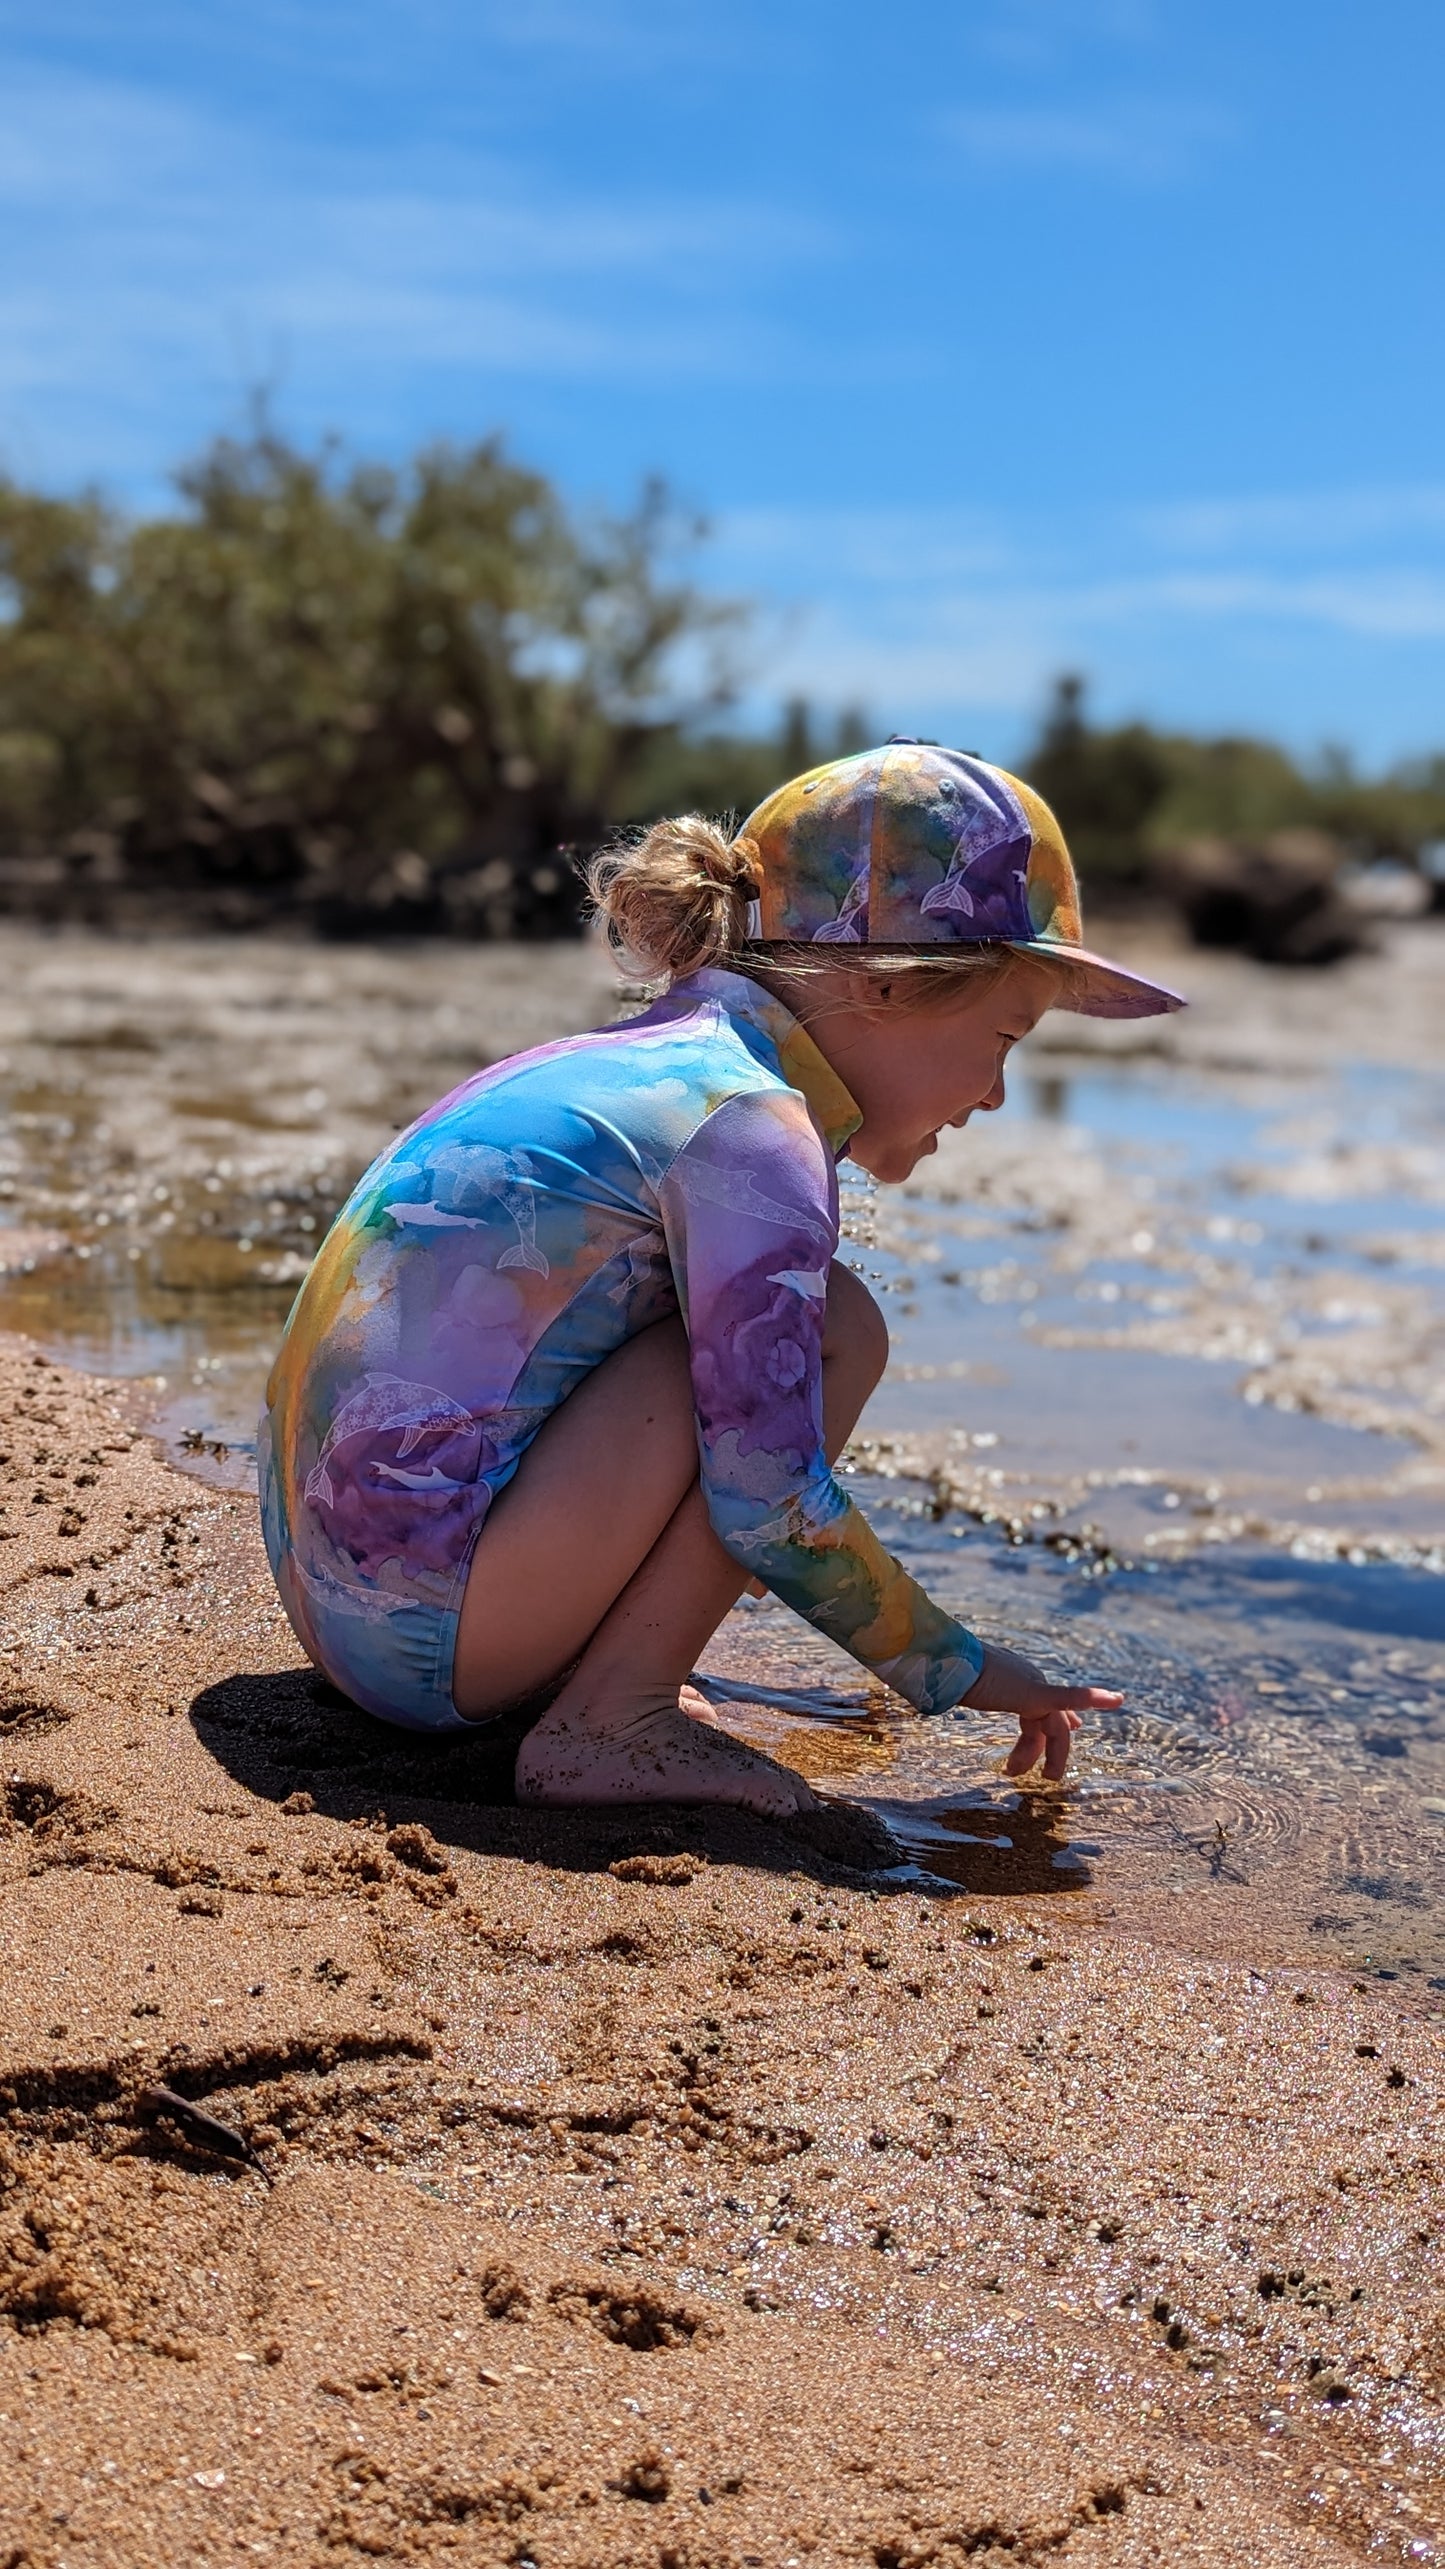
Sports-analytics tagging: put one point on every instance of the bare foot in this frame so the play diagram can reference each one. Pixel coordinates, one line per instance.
(650, 1751)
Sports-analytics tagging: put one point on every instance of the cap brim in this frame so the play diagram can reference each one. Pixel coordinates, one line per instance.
(1102, 988)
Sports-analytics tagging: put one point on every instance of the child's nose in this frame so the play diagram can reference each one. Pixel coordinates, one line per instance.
(984, 1106)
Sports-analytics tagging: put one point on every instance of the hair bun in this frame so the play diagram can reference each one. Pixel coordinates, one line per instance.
(676, 898)
(737, 864)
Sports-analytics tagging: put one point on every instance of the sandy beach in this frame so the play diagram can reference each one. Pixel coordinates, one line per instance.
(660, 2189)
(682, 2190)
(479, 487)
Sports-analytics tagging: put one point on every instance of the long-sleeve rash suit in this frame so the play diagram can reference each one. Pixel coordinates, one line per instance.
(511, 1239)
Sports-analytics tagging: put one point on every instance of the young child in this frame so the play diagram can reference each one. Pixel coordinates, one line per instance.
(574, 1362)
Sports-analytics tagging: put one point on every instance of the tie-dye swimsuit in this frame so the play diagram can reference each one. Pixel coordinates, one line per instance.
(510, 1240)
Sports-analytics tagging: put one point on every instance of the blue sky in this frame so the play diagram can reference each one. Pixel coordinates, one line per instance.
(994, 337)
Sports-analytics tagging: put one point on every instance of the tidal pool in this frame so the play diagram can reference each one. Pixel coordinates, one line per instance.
(1166, 1403)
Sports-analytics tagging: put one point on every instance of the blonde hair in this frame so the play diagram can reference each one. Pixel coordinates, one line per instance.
(676, 897)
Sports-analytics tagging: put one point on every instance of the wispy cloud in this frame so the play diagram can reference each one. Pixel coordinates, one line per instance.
(881, 548)
(1310, 522)
(962, 618)
(1140, 141)
(1084, 88)
(167, 245)
(1386, 605)
(367, 35)
(1034, 35)
(997, 648)
(640, 35)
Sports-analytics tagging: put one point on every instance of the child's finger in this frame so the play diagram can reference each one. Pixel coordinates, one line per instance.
(1087, 1699)
(1027, 1749)
(1046, 1736)
(1059, 1739)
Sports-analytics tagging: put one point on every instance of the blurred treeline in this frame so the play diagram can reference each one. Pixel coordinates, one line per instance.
(1247, 846)
(375, 698)
(381, 698)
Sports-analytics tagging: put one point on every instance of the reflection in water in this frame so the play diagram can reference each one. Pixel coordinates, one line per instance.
(1020, 1845)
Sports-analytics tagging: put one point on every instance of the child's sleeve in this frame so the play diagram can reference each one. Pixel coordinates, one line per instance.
(749, 1208)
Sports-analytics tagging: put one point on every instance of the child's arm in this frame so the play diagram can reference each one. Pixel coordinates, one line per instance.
(749, 1206)
(750, 1211)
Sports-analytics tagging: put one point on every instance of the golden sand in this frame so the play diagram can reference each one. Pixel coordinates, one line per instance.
(663, 2189)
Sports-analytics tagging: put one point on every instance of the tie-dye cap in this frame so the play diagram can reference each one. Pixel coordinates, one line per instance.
(914, 845)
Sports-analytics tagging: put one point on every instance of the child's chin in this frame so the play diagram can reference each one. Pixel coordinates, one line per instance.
(892, 1166)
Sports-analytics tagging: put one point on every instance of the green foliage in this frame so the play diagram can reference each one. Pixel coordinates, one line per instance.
(1235, 789)
(1129, 798)
(1106, 787)
(362, 687)
(728, 772)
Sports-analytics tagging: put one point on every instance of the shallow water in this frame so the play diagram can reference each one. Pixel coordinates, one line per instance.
(1275, 1778)
(1247, 1540)
(1165, 1404)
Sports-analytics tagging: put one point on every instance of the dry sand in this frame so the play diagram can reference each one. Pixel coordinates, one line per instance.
(661, 2189)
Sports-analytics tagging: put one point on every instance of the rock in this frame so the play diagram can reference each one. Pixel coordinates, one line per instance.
(1277, 898)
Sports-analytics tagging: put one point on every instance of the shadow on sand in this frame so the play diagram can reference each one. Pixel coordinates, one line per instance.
(291, 1732)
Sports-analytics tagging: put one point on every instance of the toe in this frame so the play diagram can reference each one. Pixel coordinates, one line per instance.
(790, 1796)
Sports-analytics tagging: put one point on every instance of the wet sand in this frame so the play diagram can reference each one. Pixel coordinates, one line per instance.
(664, 2189)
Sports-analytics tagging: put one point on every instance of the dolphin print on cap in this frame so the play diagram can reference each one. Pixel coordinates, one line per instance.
(914, 845)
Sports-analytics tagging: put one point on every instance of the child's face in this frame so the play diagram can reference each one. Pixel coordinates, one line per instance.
(915, 1071)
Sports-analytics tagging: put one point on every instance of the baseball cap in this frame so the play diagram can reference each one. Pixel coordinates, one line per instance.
(915, 845)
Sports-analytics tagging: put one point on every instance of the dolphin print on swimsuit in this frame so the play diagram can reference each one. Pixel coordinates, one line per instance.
(522, 1229)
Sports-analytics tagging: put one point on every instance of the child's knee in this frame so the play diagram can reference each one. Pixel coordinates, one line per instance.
(855, 1327)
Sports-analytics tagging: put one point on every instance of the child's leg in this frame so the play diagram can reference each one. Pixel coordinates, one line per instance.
(601, 1547)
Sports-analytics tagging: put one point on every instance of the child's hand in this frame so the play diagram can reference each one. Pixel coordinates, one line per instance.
(1048, 1716)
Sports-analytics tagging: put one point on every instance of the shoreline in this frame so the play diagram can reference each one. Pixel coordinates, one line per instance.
(653, 2187)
